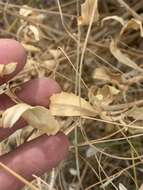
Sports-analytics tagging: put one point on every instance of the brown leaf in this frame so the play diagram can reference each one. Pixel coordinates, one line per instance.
(133, 24)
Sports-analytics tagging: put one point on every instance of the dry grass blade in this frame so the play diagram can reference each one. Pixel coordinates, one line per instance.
(70, 41)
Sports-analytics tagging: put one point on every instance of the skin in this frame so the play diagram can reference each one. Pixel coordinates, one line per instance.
(11, 51)
(43, 153)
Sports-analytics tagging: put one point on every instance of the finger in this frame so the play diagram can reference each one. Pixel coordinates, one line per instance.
(38, 91)
(35, 157)
(6, 132)
(11, 51)
(34, 92)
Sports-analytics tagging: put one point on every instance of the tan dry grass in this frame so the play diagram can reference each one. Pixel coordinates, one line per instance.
(105, 151)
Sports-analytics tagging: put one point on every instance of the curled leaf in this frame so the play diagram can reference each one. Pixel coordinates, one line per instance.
(12, 114)
(123, 58)
(102, 97)
(7, 69)
(117, 18)
(133, 24)
(38, 117)
(107, 75)
(87, 9)
(35, 32)
(68, 104)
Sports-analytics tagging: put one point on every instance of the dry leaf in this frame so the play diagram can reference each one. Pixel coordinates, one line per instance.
(7, 69)
(41, 118)
(102, 97)
(117, 18)
(121, 57)
(101, 73)
(136, 113)
(68, 104)
(28, 32)
(25, 11)
(55, 53)
(133, 24)
(31, 48)
(38, 117)
(87, 9)
(35, 32)
(107, 75)
(49, 64)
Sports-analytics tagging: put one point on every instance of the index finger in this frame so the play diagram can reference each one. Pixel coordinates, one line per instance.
(11, 51)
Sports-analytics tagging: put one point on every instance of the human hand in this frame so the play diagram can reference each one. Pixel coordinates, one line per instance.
(43, 153)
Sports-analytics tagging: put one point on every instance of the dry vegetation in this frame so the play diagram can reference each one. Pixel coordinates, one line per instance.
(97, 56)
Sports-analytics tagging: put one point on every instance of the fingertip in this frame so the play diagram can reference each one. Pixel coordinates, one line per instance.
(35, 157)
(11, 51)
(37, 91)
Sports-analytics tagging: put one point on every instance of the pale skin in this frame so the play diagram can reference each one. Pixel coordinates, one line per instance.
(43, 153)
